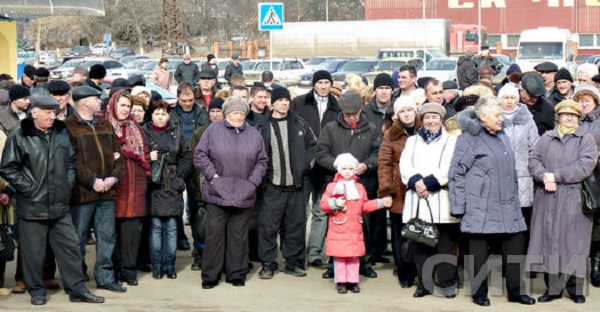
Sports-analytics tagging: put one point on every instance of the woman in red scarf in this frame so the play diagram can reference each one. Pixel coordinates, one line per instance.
(130, 204)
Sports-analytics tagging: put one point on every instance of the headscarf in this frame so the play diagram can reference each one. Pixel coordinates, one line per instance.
(129, 133)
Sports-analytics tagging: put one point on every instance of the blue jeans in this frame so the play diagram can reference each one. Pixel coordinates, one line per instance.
(163, 243)
(102, 213)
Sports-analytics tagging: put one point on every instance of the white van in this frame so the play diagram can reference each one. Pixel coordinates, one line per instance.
(545, 44)
(430, 54)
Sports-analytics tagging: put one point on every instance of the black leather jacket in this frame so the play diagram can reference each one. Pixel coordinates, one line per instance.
(41, 168)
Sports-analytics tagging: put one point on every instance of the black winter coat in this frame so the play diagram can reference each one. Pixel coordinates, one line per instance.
(543, 115)
(166, 198)
(232, 69)
(41, 168)
(302, 144)
(466, 73)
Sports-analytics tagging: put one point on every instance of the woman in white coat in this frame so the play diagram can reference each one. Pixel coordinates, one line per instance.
(424, 166)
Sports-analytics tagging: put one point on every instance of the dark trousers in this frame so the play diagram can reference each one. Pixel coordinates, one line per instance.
(287, 210)
(376, 241)
(2, 271)
(60, 234)
(143, 256)
(511, 245)
(226, 243)
(192, 202)
(446, 272)
(406, 270)
(128, 233)
(49, 266)
(554, 284)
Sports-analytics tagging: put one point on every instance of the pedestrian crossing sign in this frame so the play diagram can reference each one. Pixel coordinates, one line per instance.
(270, 16)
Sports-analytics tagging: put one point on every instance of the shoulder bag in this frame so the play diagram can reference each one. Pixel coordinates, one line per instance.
(421, 231)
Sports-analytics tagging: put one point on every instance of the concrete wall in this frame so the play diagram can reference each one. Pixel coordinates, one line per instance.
(8, 48)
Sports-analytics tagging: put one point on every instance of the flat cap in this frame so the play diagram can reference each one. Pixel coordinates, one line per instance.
(83, 92)
(486, 70)
(43, 101)
(449, 85)
(350, 102)
(59, 87)
(207, 74)
(546, 67)
(568, 106)
(533, 84)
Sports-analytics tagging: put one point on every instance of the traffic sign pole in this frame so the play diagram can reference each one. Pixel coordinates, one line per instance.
(270, 17)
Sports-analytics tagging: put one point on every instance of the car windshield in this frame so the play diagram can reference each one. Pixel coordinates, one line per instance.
(150, 65)
(328, 66)
(357, 67)
(223, 64)
(436, 53)
(441, 65)
(390, 65)
(315, 61)
(265, 66)
(540, 50)
(70, 64)
(248, 65)
(90, 63)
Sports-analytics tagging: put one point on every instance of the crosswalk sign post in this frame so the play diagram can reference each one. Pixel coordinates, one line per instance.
(270, 17)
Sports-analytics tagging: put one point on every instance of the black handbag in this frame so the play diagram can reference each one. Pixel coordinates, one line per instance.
(421, 231)
(7, 240)
(157, 168)
(590, 193)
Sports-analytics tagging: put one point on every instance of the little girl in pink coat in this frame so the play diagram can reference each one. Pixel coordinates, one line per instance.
(345, 200)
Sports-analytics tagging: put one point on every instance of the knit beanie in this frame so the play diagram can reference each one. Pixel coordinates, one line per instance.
(513, 68)
(235, 104)
(563, 74)
(97, 71)
(383, 79)
(510, 90)
(29, 71)
(210, 57)
(345, 159)
(320, 75)
(404, 102)
(216, 103)
(42, 72)
(17, 92)
(280, 93)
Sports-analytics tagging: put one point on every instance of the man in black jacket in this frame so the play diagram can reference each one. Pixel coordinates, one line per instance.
(532, 92)
(40, 150)
(233, 68)
(290, 145)
(318, 107)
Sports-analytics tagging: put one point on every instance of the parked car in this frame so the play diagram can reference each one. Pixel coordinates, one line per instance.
(65, 71)
(119, 52)
(357, 67)
(593, 59)
(441, 69)
(580, 59)
(45, 55)
(285, 70)
(171, 67)
(305, 80)
(131, 58)
(25, 57)
(249, 65)
(314, 61)
(99, 49)
(389, 65)
(80, 51)
(134, 67)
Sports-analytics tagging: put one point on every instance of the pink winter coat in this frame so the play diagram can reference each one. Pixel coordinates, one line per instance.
(345, 234)
(160, 77)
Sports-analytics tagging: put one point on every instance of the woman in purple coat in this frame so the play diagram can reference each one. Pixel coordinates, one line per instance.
(232, 158)
(560, 231)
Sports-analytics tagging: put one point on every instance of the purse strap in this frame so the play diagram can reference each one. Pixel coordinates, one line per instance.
(428, 207)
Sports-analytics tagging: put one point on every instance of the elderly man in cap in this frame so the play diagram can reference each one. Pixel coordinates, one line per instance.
(585, 72)
(352, 133)
(531, 92)
(27, 79)
(290, 145)
(466, 71)
(548, 71)
(99, 168)
(61, 92)
(39, 154)
(16, 110)
(233, 68)
(41, 77)
(563, 87)
(187, 71)
(318, 107)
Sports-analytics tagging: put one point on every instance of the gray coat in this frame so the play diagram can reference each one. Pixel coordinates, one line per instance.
(522, 132)
(483, 180)
(558, 225)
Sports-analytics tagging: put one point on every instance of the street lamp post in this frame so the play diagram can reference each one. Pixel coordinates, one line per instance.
(424, 38)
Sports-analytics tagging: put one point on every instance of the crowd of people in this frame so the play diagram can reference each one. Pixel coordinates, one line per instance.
(498, 169)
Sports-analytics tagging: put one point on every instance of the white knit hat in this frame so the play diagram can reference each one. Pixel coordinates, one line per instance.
(508, 89)
(403, 102)
(345, 159)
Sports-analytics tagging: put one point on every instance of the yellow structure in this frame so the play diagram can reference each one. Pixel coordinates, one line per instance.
(8, 48)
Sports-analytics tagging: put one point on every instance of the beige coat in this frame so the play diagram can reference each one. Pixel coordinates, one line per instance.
(160, 77)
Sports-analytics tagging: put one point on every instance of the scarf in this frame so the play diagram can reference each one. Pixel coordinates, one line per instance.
(351, 190)
(129, 133)
(428, 135)
(562, 130)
